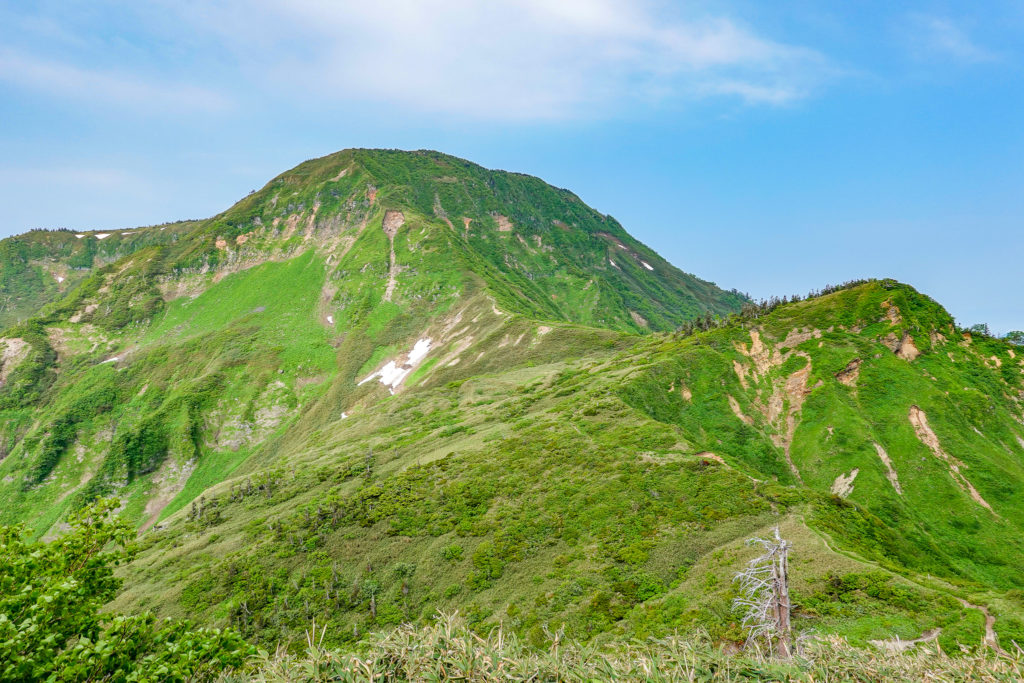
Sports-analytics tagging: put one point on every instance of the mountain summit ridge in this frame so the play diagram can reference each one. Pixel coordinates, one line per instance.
(388, 383)
(538, 245)
(540, 248)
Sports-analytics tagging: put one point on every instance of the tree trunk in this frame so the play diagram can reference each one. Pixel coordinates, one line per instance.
(782, 606)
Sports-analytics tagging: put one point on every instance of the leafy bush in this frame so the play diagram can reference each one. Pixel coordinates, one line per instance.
(51, 627)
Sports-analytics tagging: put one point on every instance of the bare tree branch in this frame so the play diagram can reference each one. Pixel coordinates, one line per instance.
(764, 596)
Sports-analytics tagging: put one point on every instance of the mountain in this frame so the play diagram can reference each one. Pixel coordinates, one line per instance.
(343, 257)
(389, 383)
(42, 266)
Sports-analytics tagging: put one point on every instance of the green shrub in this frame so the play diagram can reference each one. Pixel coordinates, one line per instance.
(452, 553)
(51, 626)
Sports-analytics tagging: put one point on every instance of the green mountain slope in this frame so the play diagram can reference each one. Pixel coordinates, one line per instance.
(390, 383)
(352, 252)
(607, 482)
(42, 266)
(539, 250)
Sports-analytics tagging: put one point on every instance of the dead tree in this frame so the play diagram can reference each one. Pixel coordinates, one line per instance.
(764, 596)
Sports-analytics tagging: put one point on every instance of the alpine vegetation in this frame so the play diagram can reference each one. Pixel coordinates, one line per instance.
(389, 386)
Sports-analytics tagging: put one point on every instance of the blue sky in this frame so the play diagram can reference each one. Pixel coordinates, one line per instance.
(769, 146)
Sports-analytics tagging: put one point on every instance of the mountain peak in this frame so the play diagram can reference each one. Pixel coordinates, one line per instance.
(539, 249)
(414, 230)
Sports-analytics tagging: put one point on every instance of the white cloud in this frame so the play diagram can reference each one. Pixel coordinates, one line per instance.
(502, 59)
(941, 37)
(104, 87)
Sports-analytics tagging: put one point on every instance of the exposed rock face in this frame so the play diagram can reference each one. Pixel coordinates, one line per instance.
(907, 351)
(14, 351)
(638, 319)
(792, 390)
(890, 473)
(928, 437)
(393, 220)
(850, 373)
(903, 347)
(738, 412)
(892, 313)
(843, 485)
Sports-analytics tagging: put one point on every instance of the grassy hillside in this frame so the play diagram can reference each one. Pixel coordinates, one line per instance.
(605, 484)
(540, 249)
(42, 266)
(169, 343)
(390, 383)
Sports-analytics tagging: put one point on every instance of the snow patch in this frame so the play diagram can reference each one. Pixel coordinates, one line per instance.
(647, 265)
(344, 415)
(79, 236)
(125, 233)
(621, 246)
(614, 264)
(102, 235)
(59, 279)
(392, 375)
(110, 360)
(419, 351)
(330, 319)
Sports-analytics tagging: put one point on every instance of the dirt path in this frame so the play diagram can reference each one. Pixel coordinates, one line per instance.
(991, 639)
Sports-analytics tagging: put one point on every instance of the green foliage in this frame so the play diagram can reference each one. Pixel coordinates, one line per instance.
(29, 380)
(30, 264)
(62, 432)
(51, 626)
(542, 468)
(452, 553)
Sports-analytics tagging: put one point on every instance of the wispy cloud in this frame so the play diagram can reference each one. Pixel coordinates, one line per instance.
(96, 178)
(941, 37)
(504, 59)
(104, 87)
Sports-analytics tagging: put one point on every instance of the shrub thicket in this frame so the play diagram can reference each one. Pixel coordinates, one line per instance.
(51, 626)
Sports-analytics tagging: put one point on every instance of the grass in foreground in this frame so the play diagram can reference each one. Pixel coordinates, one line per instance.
(449, 650)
